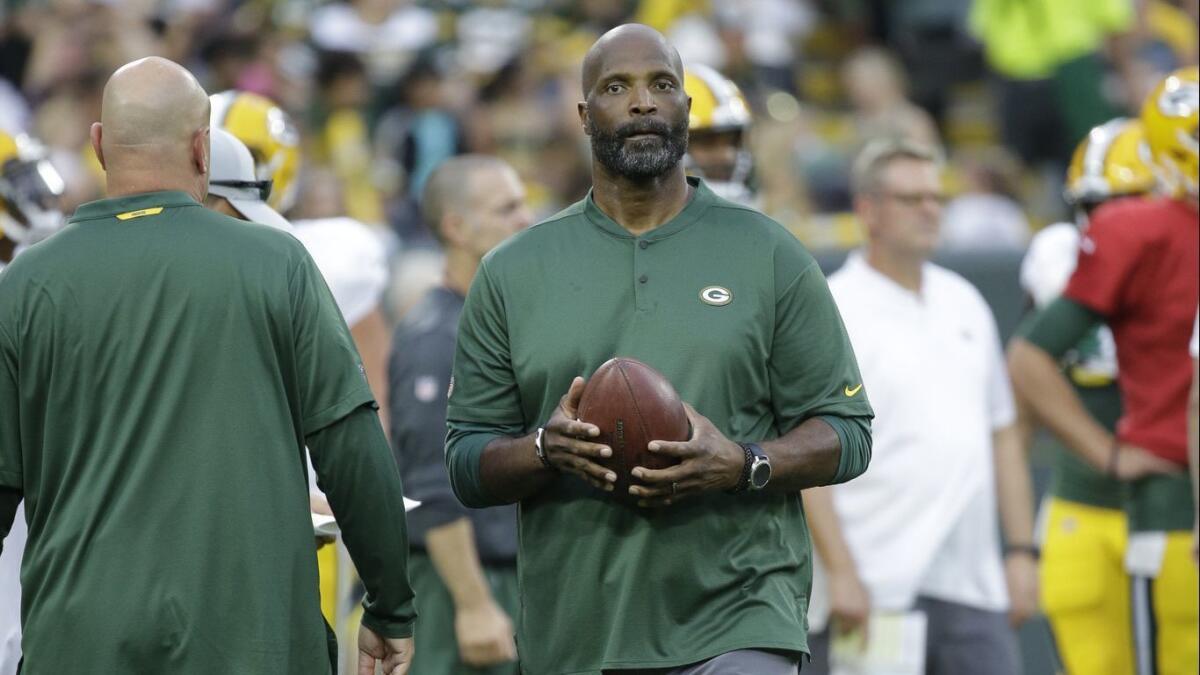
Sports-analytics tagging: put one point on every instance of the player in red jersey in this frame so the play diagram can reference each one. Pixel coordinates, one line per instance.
(1139, 272)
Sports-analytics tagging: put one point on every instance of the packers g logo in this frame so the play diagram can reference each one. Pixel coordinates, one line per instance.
(716, 296)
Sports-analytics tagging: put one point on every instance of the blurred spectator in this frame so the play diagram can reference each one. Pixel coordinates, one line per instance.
(986, 214)
(1048, 59)
(342, 138)
(875, 84)
(917, 531)
(388, 34)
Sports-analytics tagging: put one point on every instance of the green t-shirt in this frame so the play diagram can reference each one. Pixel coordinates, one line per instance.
(609, 586)
(160, 367)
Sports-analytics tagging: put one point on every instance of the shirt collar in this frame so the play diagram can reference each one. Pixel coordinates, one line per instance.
(702, 198)
(108, 208)
(856, 264)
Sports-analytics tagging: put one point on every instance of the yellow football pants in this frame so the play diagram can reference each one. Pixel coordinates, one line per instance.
(1167, 612)
(1085, 591)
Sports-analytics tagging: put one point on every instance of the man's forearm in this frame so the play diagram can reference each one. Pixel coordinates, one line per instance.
(510, 469)
(827, 531)
(812, 454)
(1013, 489)
(357, 473)
(1038, 380)
(452, 549)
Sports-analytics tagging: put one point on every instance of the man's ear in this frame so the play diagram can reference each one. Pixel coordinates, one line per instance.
(451, 229)
(200, 151)
(96, 133)
(583, 117)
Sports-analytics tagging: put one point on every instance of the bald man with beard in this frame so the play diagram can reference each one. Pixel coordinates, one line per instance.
(162, 367)
(702, 568)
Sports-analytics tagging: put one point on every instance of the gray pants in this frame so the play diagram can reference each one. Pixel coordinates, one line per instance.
(958, 639)
(738, 662)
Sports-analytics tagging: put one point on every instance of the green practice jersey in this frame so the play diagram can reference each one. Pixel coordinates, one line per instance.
(160, 368)
(737, 315)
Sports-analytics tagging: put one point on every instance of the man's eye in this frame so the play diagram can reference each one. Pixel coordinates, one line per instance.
(664, 85)
(614, 88)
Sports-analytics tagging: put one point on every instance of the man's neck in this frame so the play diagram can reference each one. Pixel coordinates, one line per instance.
(903, 269)
(124, 184)
(640, 206)
(460, 270)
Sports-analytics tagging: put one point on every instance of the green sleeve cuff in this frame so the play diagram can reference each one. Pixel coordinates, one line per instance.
(464, 449)
(1059, 327)
(854, 434)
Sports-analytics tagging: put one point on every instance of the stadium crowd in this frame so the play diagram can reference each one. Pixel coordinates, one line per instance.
(401, 140)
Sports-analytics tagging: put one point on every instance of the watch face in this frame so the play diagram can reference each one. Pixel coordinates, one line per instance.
(760, 473)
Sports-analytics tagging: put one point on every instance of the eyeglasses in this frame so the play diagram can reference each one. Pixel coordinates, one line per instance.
(913, 199)
(263, 186)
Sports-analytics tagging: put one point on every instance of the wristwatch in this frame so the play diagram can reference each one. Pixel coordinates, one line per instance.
(757, 472)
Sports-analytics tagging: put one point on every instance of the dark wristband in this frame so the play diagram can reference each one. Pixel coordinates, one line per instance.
(744, 479)
(1028, 549)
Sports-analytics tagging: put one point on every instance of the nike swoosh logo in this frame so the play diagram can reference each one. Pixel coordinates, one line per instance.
(852, 392)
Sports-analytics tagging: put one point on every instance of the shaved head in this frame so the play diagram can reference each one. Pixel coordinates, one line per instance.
(621, 41)
(152, 101)
(153, 129)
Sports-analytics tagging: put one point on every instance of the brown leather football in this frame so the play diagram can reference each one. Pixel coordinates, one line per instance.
(632, 404)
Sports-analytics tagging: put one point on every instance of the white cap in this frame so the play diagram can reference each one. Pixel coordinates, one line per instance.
(231, 162)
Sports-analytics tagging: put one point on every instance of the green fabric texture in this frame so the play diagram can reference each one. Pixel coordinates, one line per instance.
(1161, 504)
(437, 646)
(1073, 478)
(855, 436)
(160, 366)
(609, 586)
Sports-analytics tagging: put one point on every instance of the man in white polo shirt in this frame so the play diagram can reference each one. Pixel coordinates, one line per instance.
(916, 533)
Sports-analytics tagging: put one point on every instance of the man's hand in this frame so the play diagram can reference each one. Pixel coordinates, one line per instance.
(564, 445)
(1133, 462)
(393, 654)
(485, 635)
(1021, 575)
(849, 603)
(709, 462)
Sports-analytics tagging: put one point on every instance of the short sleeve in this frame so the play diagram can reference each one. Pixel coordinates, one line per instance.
(812, 366)
(10, 436)
(330, 376)
(483, 388)
(1002, 410)
(1108, 256)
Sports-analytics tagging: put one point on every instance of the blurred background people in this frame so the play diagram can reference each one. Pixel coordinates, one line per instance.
(917, 531)
(374, 94)
(1083, 583)
(1138, 272)
(463, 560)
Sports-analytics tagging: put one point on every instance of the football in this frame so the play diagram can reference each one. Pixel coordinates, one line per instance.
(632, 404)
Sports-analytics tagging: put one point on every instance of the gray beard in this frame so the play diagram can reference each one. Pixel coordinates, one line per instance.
(639, 160)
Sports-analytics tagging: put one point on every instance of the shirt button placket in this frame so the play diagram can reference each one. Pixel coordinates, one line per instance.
(641, 278)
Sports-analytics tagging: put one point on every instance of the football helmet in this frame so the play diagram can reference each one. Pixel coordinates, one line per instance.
(270, 135)
(30, 188)
(1171, 117)
(718, 124)
(1110, 162)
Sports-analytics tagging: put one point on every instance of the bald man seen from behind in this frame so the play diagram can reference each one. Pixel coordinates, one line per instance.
(162, 367)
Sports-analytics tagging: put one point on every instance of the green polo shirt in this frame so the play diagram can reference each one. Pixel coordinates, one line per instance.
(610, 586)
(160, 368)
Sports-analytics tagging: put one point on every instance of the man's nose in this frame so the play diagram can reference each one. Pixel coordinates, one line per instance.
(643, 103)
